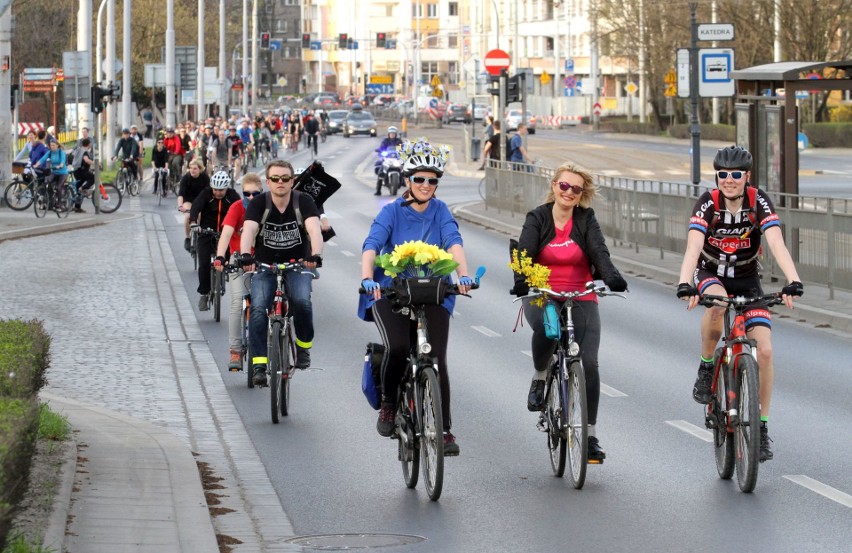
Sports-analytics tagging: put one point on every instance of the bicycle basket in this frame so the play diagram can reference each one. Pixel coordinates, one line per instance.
(18, 167)
(419, 291)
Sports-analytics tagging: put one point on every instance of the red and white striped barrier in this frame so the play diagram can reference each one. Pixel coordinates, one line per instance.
(24, 128)
(558, 120)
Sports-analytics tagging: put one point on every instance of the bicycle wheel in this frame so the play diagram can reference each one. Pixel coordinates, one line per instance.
(18, 195)
(747, 429)
(432, 433)
(723, 441)
(216, 291)
(120, 182)
(274, 369)
(63, 204)
(554, 423)
(288, 348)
(110, 198)
(41, 201)
(576, 419)
(409, 454)
(244, 333)
(133, 186)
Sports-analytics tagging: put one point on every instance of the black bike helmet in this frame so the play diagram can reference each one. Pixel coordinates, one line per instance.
(733, 157)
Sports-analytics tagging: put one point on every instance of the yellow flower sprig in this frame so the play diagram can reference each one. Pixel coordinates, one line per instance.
(417, 259)
(535, 274)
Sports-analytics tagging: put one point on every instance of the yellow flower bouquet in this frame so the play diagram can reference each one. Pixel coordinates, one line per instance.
(417, 259)
(535, 274)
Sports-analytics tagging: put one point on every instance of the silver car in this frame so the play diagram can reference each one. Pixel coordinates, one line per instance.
(359, 122)
(335, 120)
(513, 119)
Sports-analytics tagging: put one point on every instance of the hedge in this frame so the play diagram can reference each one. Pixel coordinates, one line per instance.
(18, 430)
(725, 133)
(829, 135)
(631, 127)
(24, 358)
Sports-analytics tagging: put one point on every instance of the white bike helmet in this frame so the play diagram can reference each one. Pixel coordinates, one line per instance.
(220, 180)
(392, 130)
(422, 156)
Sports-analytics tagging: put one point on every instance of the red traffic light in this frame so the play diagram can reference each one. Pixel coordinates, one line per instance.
(264, 40)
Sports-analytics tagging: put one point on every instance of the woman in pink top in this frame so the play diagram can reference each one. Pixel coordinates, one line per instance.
(238, 285)
(564, 235)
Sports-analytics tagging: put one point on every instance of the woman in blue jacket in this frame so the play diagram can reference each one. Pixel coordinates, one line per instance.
(55, 159)
(417, 215)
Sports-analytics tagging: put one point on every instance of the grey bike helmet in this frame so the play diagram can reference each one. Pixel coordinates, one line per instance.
(392, 130)
(733, 157)
(220, 180)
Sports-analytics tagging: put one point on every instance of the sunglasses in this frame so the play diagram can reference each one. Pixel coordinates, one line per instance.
(431, 180)
(566, 186)
(252, 194)
(736, 175)
(280, 178)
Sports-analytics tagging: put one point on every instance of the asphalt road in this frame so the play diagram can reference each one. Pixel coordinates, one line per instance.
(658, 489)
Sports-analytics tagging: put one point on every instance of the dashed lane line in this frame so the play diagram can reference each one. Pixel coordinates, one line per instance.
(486, 331)
(823, 489)
(347, 253)
(690, 428)
(611, 392)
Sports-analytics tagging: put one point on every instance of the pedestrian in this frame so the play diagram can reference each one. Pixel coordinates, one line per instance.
(148, 119)
(492, 146)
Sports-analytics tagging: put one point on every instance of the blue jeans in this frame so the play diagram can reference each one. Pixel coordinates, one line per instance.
(299, 297)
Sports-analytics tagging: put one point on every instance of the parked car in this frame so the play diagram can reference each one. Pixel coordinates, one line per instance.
(479, 112)
(383, 100)
(335, 120)
(359, 122)
(513, 119)
(456, 112)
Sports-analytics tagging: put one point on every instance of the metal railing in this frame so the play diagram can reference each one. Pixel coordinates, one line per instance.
(653, 214)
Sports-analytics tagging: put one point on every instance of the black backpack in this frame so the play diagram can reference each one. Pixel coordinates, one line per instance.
(509, 148)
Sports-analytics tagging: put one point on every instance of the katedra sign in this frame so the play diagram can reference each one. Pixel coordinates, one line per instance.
(716, 31)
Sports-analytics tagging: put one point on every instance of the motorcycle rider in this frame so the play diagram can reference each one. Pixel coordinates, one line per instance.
(388, 144)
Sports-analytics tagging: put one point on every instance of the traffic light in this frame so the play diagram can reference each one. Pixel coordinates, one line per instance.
(100, 98)
(264, 40)
(343, 41)
(513, 89)
(306, 40)
(381, 40)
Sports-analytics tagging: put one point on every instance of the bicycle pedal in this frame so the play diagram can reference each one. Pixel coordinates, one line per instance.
(235, 370)
(594, 462)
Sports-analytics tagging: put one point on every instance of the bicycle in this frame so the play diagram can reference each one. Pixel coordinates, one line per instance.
(217, 279)
(245, 316)
(193, 245)
(281, 340)
(20, 192)
(48, 198)
(733, 414)
(418, 420)
(565, 417)
(161, 179)
(126, 180)
(263, 153)
(109, 200)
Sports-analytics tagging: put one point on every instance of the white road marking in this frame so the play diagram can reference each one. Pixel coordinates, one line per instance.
(486, 331)
(527, 352)
(674, 172)
(823, 489)
(347, 253)
(456, 312)
(610, 391)
(611, 172)
(643, 172)
(179, 218)
(690, 428)
(332, 214)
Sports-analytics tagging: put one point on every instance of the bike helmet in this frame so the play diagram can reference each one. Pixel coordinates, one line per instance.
(422, 156)
(220, 180)
(392, 130)
(733, 157)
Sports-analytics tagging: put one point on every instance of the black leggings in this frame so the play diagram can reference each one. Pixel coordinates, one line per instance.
(587, 331)
(397, 332)
(205, 248)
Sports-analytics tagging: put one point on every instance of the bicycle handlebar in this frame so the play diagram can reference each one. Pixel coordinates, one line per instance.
(766, 300)
(391, 292)
(276, 268)
(600, 291)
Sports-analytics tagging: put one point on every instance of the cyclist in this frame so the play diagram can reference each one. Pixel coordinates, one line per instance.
(191, 185)
(84, 175)
(247, 137)
(281, 240)
(236, 145)
(54, 159)
(219, 151)
(721, 258)
(175, 147)
(159, 160)
(312, 130)
(388, 144)
(208, 211)
(229, 241)
(563, 235)
(134, 134)
(262, 137)
(128, 147)
(417, 215)
(293, 129)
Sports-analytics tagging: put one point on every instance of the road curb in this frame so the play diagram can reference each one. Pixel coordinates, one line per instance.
(28, 232)
(54, 533)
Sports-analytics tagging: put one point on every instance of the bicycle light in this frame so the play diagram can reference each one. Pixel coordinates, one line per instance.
(573, 349)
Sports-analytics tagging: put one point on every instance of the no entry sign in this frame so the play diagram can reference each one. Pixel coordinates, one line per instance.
(495, 60)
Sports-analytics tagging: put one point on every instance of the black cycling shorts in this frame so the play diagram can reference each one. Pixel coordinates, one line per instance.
(746, 286)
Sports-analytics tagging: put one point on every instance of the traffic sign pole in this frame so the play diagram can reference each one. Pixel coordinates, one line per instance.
(694, 128)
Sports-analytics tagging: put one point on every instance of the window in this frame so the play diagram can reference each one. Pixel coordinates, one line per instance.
(388, 11)
(281, 25)
(453, 41)
(416, 10)
(454, 9)
(291, 2)
(453, 72)
(432, 11)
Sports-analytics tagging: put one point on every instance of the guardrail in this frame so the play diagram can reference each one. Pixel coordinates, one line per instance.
(653, 214)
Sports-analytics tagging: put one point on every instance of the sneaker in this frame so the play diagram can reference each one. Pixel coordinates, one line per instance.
(186, 244)
(377, 193)
(235, 363)
(385, 423)
(79, 209)
(203, 302)
(303, 358)
(596, 454)
(259, 376)
(765, 449)
(451, 448)
(535, 401)
(701, 390)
